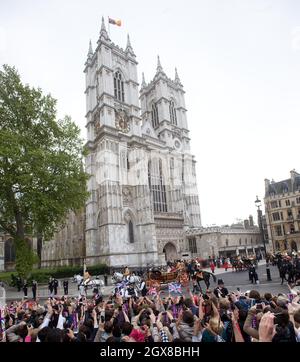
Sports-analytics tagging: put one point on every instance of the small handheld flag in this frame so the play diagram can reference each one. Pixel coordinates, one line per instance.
(152, 291)
(174, 287)
(117, 22)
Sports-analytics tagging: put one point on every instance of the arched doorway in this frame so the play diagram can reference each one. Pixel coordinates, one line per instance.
(294, 245)
(170, 252)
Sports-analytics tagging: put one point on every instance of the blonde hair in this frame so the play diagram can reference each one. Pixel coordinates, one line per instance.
(216, 325)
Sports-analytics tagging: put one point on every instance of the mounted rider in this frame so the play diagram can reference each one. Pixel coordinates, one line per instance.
(86, 277)
(126, 273)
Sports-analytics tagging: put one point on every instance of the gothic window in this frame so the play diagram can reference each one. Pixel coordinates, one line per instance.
(9, 251)
(172, 110)
(119, 86)
(240, 241)
(154, 115)
(193, 245)
(226, 242)
(130, 231)
(157, 186)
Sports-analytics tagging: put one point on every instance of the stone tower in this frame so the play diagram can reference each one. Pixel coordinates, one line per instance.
(163, 109)
(143, 193)
(120, 228)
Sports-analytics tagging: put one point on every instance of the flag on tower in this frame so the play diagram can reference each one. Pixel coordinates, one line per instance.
(117, 22)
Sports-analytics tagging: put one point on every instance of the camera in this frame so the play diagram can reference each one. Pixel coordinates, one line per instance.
(259, 306)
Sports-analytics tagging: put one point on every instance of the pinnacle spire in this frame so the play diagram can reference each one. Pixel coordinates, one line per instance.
(103, 32)
(128, 46)
(143, 80)
(159, 67)
(128, 42)
(177, 79)
(90, 52)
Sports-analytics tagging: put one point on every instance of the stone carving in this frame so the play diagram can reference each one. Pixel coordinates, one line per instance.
(127, 194)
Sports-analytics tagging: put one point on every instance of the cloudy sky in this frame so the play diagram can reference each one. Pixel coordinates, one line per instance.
(239, 62)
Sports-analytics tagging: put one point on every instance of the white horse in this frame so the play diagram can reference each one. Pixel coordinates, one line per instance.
(117, 277)
(93, 283)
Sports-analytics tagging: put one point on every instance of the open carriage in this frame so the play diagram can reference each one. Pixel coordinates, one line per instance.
(157, 278)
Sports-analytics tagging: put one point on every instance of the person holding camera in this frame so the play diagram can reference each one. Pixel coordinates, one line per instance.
(221, 291)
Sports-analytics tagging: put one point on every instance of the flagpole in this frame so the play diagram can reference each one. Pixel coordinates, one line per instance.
(108, 26)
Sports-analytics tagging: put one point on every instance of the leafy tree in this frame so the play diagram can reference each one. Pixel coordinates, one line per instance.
(41, 165)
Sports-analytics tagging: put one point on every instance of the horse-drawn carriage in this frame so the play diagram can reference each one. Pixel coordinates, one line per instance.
(157, 278)
(243, 264)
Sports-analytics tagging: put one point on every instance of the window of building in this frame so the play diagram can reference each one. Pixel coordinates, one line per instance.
(154, 115)
(277, 245)
(130, 231)
(157, 186)
(276, 216)
(298, 200)
(240, 241)
(281, 215)
(226, 242)
(292, 228)
(279, 203)
(192, 245)
(274, 204)
(172, 110)
(119, 86)
(251, 241)
(287, 203)
(246, 241)
(278, 230)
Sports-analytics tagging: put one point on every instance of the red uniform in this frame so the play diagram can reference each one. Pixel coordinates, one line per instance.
(212, 267)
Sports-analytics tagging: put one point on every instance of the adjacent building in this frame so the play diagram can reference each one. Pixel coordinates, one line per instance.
(282, 205)
(242, 239)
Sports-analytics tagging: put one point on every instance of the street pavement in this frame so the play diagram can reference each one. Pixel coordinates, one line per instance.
(232, 280)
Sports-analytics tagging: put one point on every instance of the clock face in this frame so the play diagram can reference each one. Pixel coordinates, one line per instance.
(177, 144)
(122, 121)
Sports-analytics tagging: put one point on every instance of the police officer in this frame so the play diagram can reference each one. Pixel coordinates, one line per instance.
(55, 286)
(25, 288)
(34, 288)
(50, 286)
(66, 287)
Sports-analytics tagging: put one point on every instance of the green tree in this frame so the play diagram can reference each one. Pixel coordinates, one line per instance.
(41, 165)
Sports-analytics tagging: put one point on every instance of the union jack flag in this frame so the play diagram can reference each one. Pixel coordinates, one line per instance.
(152, 291)
(121, 286)
(175, 287)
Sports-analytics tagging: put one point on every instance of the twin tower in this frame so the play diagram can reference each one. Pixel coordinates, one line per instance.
(143, 189)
